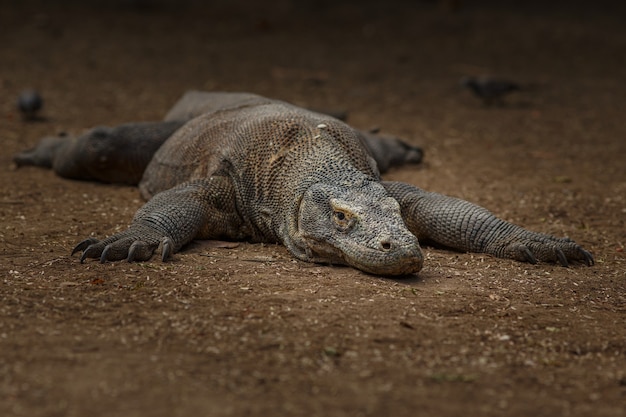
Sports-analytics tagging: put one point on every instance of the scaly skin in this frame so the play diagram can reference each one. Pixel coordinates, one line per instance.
(464, 226)
(250, 168)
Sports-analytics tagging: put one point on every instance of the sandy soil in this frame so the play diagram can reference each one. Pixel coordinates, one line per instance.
(250, 331)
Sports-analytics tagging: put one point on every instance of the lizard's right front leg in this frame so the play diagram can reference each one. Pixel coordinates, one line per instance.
(171, 219)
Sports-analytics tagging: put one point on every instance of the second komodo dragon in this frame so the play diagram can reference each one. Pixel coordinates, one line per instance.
(238, 166)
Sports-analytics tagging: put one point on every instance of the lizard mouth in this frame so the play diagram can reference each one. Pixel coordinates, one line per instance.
(400, 261)
(390, 259)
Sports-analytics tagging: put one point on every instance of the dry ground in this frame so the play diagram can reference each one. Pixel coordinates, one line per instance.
(248, 331)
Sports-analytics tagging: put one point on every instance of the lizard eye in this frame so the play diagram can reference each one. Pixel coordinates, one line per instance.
(342, 215)
(343, 220)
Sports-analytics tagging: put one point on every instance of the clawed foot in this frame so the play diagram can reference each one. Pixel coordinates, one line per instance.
(123, 246)
(547, 249)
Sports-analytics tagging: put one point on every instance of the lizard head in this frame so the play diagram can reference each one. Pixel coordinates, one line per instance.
(355, 224)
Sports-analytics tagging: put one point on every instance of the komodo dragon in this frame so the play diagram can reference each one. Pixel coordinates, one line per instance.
(239, 166)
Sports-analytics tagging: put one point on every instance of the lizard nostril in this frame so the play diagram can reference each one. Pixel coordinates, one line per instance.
(385, 245)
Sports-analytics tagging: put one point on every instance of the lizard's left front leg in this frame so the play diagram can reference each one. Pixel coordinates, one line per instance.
(464, 226)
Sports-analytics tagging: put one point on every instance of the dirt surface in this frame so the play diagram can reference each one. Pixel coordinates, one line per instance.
(249, 330)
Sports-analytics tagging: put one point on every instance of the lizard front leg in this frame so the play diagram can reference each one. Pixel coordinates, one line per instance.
(464, 226)
(171, 219)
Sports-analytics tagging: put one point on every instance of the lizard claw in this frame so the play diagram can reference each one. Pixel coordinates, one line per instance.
(104, 254)
(92, 248)
(560, 256)
(132, 252)
(167, 249)
(140, 251)
(84, 245)
(520, 252)
(528, 255)
(587, 257)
